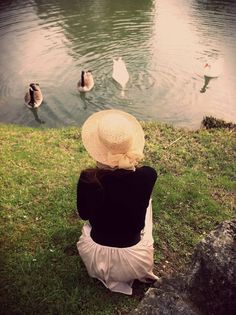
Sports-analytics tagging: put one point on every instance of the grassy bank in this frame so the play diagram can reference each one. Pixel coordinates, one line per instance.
(40, 271)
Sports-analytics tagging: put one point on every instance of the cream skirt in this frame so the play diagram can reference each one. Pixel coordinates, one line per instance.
(115, 267)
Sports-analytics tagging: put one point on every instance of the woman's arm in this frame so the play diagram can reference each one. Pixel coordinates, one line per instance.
(89, 196)
(83, 197)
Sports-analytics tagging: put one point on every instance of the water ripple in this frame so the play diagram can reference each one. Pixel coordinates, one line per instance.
(164, 45)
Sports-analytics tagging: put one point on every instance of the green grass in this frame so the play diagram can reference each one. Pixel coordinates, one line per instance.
(40, 271)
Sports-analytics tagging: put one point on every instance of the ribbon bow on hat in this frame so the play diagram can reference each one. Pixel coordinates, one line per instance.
(126, 160)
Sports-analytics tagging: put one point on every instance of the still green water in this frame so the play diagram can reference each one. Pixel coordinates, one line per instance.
(165, 45)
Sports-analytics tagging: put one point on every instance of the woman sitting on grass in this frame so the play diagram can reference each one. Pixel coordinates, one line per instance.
(116, 245)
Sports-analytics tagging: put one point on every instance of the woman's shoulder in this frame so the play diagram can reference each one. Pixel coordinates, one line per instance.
(84, 174)
(87, 175)
(92, 176)
(148, 171)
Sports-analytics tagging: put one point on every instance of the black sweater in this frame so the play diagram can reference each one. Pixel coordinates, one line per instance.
(116, 205)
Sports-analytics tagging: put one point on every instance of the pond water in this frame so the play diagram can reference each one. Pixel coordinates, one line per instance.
(165, 45)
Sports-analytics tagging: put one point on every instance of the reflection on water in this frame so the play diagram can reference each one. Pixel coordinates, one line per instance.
(165, 45)
(36, 115)
(206, 82)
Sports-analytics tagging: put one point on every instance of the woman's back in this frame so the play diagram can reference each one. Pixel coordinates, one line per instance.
(116, 204)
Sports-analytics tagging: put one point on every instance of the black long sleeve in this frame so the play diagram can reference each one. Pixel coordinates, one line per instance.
(116, 206)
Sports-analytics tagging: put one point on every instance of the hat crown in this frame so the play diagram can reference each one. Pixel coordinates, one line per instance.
(114, 138)
(115, 133)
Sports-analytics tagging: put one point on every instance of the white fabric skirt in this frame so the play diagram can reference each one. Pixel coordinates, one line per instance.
(115, 267)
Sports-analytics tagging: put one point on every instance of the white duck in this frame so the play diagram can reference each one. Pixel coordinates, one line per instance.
(86, 81)
(34, 96)
(214, 68)
(120, 73)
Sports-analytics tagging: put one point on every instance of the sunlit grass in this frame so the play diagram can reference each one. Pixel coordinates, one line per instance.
(41, 272)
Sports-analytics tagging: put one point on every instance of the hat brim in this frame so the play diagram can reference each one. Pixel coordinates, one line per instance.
(91, 140)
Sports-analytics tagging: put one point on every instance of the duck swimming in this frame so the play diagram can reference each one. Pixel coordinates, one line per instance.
(120, 73)
(34, 96)
(86, 81)
(211, 70)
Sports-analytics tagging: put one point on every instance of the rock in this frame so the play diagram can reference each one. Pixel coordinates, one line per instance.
(209, 285)
(210, 122)
(161, 302)
(211, 280)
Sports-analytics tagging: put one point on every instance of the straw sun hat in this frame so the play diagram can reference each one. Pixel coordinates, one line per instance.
(114, 138)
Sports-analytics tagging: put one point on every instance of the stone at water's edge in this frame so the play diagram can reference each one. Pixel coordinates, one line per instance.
(209, 285)
(211, 280)
(161, 302)
(210, 122)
